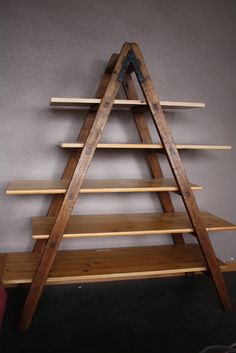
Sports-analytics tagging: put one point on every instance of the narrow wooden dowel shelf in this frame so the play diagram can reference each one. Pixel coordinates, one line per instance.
(80, 266)
(37, 187)
(122, 103)
(127, 224)
(156, 146)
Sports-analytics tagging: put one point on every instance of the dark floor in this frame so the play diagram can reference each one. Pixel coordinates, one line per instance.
(167, 315)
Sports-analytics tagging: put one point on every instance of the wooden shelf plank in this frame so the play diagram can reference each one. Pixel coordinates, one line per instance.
(127, 224)
(157, 146)
(87, 102)
(80, 266)
(37, 187)
(230, 267)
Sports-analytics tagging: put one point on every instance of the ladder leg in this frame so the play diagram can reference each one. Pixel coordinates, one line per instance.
(73, 160)
(182, 181)
(152, 158)
(72, 193)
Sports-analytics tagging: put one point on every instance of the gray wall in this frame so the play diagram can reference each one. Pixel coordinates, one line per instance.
(59, 48)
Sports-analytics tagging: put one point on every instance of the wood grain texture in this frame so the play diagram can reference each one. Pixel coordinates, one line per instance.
(142, 146)
(89, 186)
(76, 171)
(122, 103)
(75, 154)
(75, 266)
(181, 178)
(72, 193)
(152, 156)
(128, 224)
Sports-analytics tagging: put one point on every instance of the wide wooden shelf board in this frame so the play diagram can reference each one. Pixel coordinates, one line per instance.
(157, 146)
(230, 267)
(36, 187)
(79, 266)
(127, 224)
(87, 102)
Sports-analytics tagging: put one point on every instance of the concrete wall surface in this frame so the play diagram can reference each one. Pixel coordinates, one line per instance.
(59, 48)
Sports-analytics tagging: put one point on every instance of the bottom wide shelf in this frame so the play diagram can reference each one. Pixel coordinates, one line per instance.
(80, 266)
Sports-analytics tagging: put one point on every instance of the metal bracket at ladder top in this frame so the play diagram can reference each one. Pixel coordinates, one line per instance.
(131, 59)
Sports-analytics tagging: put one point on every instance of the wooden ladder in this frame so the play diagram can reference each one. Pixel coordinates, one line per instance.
(119, 71)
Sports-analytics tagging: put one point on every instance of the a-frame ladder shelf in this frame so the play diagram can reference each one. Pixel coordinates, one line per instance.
(48, 265)
(37, 187)
(156, 146)
(127, 224)
(80, 266)
(122, 103)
